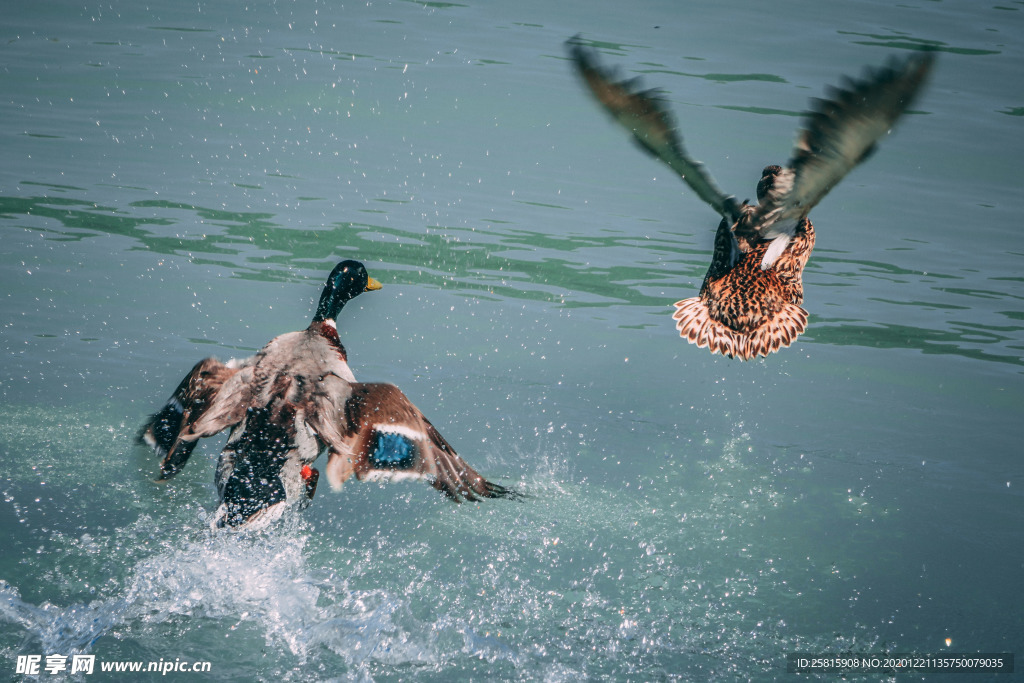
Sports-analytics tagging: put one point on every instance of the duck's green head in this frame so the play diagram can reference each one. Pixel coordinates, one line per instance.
(347, 281)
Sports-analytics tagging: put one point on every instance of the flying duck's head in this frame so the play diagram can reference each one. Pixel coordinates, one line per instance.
(767, 182)
(347, 281)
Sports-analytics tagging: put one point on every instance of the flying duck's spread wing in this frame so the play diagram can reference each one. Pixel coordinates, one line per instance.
(644, 114)
(167, 429)
(837, 134)
(376, 432)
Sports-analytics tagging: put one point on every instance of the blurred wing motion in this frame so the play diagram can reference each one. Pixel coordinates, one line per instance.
(373, 431)
(644, 114)
(192, 399)
(837, 134)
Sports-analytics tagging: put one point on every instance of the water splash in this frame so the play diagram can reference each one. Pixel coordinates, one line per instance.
(70, 630)
(244, 584)
(584, 579)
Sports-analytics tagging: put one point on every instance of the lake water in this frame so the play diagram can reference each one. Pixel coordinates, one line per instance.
(179, 178)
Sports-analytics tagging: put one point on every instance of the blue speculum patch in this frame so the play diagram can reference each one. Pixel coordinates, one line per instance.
(392, 451)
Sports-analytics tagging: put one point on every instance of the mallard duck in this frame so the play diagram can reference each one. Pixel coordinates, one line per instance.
(288, 403)
(750, 301)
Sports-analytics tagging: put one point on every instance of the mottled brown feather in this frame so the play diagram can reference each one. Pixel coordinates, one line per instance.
(743, 311)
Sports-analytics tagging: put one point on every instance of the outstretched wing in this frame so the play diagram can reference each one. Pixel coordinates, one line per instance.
(166, 429)
(837, 134)
(373, 431)
(644, 114)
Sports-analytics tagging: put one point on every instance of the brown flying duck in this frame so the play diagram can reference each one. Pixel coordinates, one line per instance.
(294, 399)
(749, 303)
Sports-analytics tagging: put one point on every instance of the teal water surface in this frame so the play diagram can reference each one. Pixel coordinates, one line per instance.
(179, 179)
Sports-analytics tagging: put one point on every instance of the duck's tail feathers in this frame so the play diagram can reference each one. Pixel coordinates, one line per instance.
(695, 324)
